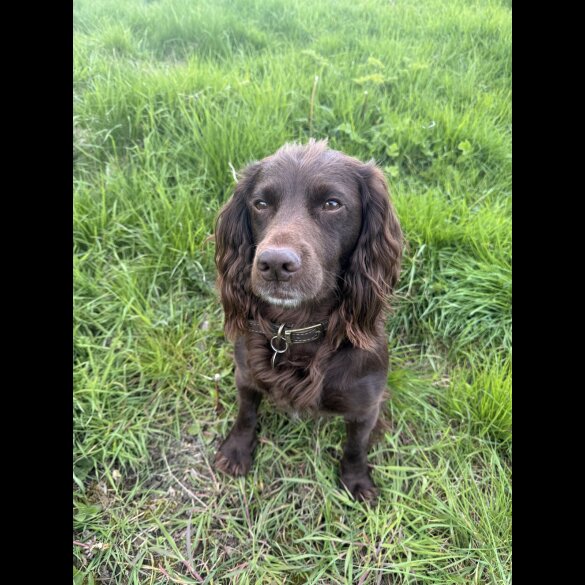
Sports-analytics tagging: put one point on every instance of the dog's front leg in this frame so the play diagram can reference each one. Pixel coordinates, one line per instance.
(235, 454)
(355, 474)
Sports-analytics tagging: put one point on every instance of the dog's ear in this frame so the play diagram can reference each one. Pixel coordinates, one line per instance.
(374, 266)
(234, 254)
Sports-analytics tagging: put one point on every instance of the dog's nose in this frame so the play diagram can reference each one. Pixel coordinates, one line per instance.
(278, 263)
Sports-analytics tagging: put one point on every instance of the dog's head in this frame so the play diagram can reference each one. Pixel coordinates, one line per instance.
(305, 225)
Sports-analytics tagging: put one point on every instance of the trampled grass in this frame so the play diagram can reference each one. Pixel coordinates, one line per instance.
(169, 97)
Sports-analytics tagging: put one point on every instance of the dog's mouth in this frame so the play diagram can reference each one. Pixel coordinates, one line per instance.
(281, 294)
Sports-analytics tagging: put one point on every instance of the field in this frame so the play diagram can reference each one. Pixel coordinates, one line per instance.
(170, 98)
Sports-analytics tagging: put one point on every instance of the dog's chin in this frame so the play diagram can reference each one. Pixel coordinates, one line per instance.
(288, 302)
(285, 297)
(288, 295)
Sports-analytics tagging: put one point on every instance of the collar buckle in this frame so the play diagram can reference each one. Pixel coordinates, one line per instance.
(289, 337)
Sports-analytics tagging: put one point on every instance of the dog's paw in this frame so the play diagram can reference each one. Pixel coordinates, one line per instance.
(234, 459)
(361, 487)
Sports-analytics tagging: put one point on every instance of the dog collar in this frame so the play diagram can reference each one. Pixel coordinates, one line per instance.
(284, 337)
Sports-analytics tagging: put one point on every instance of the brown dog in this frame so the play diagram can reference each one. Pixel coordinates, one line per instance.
(308, 252)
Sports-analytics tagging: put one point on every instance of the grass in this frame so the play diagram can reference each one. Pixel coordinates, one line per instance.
(169, 95)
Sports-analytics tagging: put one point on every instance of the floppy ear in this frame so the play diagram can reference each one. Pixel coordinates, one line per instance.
(234, 254)
(374, 266)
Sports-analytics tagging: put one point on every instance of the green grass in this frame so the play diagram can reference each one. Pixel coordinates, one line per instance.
(169, 95)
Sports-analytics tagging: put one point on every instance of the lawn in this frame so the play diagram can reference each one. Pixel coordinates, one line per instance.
(170, 98)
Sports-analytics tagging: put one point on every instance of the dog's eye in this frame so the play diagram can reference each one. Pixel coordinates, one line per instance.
(331, 205)
(260, 204)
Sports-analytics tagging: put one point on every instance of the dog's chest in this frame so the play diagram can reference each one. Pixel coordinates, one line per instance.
(293, 383)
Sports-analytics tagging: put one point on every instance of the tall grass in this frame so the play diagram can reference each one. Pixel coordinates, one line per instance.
(169, 97)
